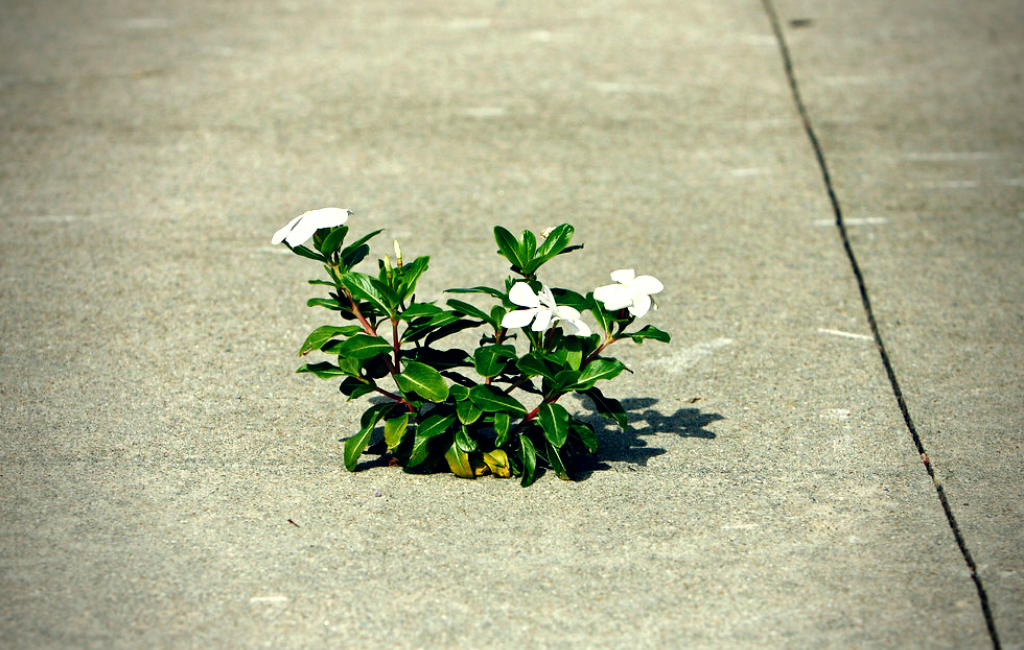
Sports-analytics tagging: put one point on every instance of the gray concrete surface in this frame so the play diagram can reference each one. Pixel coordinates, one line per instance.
(155, 443)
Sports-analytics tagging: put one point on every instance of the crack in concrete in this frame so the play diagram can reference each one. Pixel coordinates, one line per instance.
(819, 153)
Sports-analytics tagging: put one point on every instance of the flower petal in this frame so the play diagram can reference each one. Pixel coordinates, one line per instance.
(543, 320)
(646, 284)
(625, 276)
(576, 327)
(566, 312)
(308, 222)
(641, 304)
(522, 295)
(547, 298)
(283, 232)
(614, 296)
(518, 318)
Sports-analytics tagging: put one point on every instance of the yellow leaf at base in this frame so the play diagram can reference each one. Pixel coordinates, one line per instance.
(458, 461)
(497, 462)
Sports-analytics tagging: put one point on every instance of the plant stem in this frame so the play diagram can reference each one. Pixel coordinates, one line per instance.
(394, 337)
(358, 314)
(608, 340)
(397, 398)
(515, 384)
(392, 366)
(529, 417)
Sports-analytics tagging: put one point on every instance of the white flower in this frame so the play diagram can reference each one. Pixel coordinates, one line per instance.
(542, 311)
(301, 228)
(631, 292)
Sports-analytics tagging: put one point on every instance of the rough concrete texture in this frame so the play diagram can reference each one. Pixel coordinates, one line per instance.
(927, 160)
(155, 441)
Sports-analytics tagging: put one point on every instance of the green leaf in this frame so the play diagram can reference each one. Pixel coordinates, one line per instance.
(556, 241)
(502, 424)
(423, 380)
(373, 415)
(554, 420)
(357, 250)
(420, 328)
(420, 310)
(354, 448)
(528, 250)
(608, 407)
(354, 257)
(322, 335)
(444, 360)
(458, 461)
(328, 303)
(585, 433)
(394, 430)
(570, 298)
(573, 347)
(467, 309)
(432, 427)
(370, 289)
(458, 393)
(333, 240)
(650, 332)
(354, 387)
(465, 441)
(533, 365)
(598, 369)
(468, 412)
(410, 275)
(491, 401)
(528, 458)
(562, 381)
(488, 290)
(490, 360)
(350, 367)
(497, 315)
(599, 313)
(556, 462)
(364, 346)
(448, 330)
(356, 445)
(365, 389)
(302, 251)
(508, 246)
(324, 370)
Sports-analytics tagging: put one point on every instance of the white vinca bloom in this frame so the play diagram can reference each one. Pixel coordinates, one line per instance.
(631, 292)
(301, 228)
(541, 310)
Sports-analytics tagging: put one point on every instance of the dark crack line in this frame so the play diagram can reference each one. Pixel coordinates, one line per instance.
(879, 343)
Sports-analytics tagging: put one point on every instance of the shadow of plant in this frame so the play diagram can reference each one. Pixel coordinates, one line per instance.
(616, 445)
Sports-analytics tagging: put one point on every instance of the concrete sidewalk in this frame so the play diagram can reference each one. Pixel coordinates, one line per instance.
(166, 480)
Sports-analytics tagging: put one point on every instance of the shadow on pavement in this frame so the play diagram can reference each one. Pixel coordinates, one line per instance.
(630, 446)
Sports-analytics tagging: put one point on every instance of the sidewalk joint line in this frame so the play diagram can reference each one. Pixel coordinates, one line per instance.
(819, 154)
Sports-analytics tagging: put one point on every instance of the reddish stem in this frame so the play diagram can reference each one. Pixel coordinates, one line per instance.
(593, 355)
(359, 315)
(394, 337)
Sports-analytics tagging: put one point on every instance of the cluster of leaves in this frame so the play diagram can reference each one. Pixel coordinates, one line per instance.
(493, 411)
